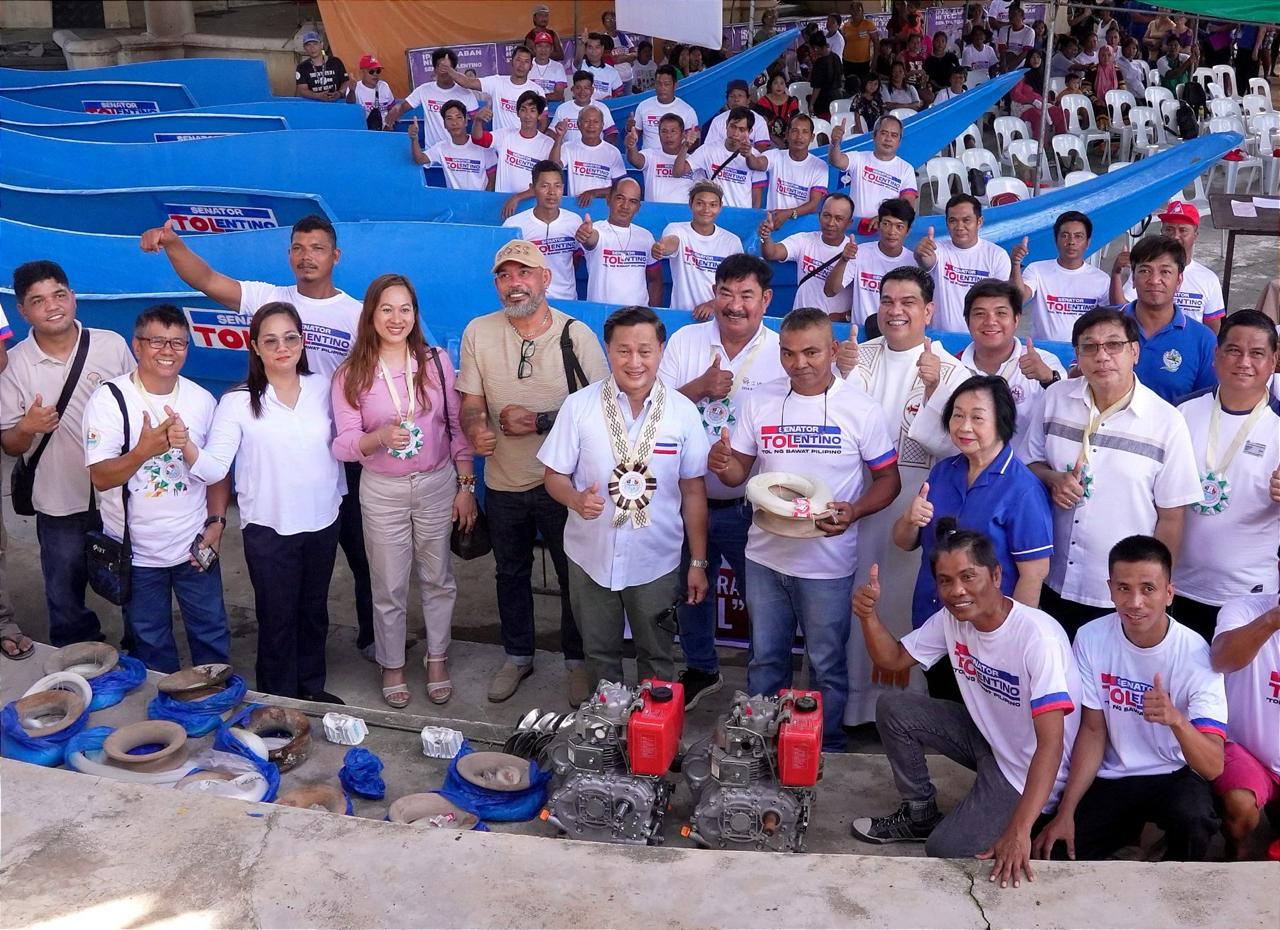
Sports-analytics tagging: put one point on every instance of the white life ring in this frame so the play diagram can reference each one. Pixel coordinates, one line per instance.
(239, 786)
(787, 515)
(64, 681)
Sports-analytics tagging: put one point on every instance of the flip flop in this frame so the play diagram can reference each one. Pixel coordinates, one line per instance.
(389, 691)
(21, 653)
(438, 692)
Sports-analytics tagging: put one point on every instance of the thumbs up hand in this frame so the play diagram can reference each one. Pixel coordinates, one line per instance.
(721, 455)
(588, 503)
(847, 355)
(1068, 488)
(1019, 253)
(850, 249)
(929, 368)
(586, 233)
(927, 250)
(920, 513)
(158, 239)
(413, 129)
(717, 382)
(867, 596)
(1122, 261)
(39, 418)
(483, 439)
(178, 433)
(1275, 486)
(1031, 364)
(1158, 706)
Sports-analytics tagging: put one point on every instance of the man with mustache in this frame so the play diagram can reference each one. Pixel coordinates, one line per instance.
(518, 366)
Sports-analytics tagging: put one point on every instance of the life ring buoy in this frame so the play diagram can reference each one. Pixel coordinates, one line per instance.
(48, 712)
(171, 737)
(273, 720)
(252, 741)
(430, 810)
(92, 763)
(64, 681)
(786, 514)
(88, 660)
(308, 797)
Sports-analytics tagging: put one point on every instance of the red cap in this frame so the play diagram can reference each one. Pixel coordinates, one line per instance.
(543, 37)
(1179, 211)
(368, 63)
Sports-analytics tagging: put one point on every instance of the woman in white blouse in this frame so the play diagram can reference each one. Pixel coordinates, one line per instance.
(277, 427)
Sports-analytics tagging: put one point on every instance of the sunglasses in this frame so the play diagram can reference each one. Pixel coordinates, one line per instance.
(375, 70)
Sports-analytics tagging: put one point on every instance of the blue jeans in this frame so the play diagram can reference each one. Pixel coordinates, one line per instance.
(66, 575)
(726, 537)
(822, 607)
(150, 615)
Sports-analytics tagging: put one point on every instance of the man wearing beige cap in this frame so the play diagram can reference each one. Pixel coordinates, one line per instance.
(541, 23)
(518, 366)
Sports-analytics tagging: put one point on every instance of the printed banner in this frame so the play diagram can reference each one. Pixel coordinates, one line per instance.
(120, 107)
(211, 218)
(188, 136)
(481, 60)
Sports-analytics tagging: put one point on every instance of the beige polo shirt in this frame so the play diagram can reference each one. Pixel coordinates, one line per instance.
(490, 360)
(62, 480)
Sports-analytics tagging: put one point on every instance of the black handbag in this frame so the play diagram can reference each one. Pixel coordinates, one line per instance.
(111, 560)
(475, 542)
(22, 479)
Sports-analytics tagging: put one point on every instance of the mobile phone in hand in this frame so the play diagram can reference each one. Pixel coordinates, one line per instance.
(206, 557)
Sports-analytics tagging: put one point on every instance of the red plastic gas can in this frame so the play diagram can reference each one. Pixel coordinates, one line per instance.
(800, 739)
(654, 731)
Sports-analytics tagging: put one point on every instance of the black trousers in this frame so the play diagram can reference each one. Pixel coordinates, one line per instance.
(351, 538)
(1113, 812)
(1200, 617)
(291, 576)
(1070, 614)
(855, 72)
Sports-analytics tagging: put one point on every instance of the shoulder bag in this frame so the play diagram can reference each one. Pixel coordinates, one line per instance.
(475, 542)
(22, 480)
(111, 561)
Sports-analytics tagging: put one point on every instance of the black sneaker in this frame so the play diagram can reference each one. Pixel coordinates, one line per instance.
(324, 697)
(698, 684)
(898, 827)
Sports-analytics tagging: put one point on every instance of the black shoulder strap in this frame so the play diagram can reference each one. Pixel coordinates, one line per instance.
(124, 450)
(444, 396)
(68, 388)
(572, 367)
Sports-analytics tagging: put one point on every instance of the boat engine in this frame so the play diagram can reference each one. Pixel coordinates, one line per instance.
(611, 765)
(753, 779)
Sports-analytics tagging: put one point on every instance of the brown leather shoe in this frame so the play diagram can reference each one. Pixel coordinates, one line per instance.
(507, 680)
(579, 685)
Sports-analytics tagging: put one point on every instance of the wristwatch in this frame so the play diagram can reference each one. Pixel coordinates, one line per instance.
(1054, 378)
(543, 422)
(699, 563)
(215, 519)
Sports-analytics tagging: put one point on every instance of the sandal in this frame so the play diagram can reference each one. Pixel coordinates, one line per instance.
(15, 640)
(397, 695)
(438, 691)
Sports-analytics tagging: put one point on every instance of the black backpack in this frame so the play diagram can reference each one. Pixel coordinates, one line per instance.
(1193, 96)
(1185, 118)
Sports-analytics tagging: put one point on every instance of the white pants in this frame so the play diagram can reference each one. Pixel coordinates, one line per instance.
(407, 522)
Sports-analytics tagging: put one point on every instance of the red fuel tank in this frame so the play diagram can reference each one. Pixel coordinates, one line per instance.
(800, 739)
(654, 731)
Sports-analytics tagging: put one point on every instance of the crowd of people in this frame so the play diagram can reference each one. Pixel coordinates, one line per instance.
(1083, 556)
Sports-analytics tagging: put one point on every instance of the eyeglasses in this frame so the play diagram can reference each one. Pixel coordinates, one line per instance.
(288, 340)
(157, 343)
(1113, 347)
(525, 368)
(375, 70)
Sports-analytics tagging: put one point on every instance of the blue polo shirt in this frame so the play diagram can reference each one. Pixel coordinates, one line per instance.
(1007, 502)
(1177, 360)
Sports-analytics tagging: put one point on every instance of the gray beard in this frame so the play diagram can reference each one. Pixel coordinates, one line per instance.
(521, 311)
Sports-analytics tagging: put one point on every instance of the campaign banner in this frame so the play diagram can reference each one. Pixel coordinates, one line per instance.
(948, 19)
(188, 136)
(212, 218)
(219, 329)
(120, 107)
(480, 59)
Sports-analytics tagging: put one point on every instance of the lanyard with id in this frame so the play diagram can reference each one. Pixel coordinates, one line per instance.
(719, 413)
(406, 417)
(1095, 418)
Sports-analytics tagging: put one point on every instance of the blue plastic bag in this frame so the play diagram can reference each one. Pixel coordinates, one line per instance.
(227, 741)
(110, 689)
(199, 717)
(15, 743)
(361, 773)
(495, 805)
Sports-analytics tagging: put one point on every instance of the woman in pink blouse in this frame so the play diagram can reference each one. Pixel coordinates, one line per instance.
(390, 400)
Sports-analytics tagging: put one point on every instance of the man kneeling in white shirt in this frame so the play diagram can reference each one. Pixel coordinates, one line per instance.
(645, 448)
(1154, 721)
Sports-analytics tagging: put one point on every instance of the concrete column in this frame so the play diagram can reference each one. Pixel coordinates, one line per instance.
(170, 19)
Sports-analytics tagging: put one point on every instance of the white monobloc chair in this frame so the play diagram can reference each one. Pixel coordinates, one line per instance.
(1082, 121)
(1119, 103)
(947, 176)
(999, 188)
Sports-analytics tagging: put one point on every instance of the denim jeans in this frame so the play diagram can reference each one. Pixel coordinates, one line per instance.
(726, 537)
(150, 615)
(822, 607)
(910, 723)
(66, 575)
(516, 520)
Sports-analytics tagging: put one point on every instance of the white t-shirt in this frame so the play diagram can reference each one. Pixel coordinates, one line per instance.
(1088, 59)
(503, 95)
(607, 79)
(956, 271)
(1117, 676)
(688, 354)
(1232, 553)
(431, 97)
(649, 113)
(736, 179)
(1253, 692)
(944, 95)
(864, 274)
(591, 167)
(467, 166)
(167, 506)
(380, 95)
(828, 437)
(616, 266)
(810, 253)
(998, 10)
(549, 76)
(791, 182)
(643, 76)
(978, 58)
(872, 181)
(1007, 678)
(693, 267)
(1026, 391)
(1017, 41)
(570, 110)
(835, 41)
(660, 183)
(1060, 296)
(556, 240)
(716, 134)
(516, 157)
(1199, 295)
(329, 324)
